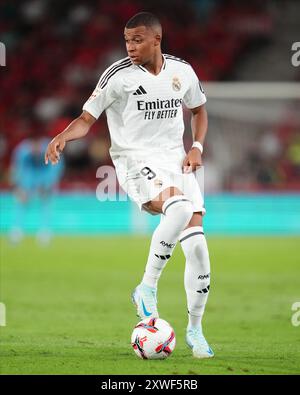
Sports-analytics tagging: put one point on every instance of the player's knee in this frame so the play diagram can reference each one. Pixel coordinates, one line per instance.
(180, 206)
(185, 211)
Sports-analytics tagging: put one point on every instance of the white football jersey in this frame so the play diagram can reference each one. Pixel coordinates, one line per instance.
(144, 111)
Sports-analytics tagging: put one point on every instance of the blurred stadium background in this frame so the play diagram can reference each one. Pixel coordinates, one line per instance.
(56, 51)
(241, 51)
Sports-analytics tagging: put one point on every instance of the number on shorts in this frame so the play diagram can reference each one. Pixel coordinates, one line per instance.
(146, 171)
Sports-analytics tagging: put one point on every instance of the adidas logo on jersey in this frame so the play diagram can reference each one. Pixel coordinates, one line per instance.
(140, 91)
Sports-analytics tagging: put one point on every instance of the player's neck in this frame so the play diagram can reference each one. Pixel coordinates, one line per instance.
(154, 66)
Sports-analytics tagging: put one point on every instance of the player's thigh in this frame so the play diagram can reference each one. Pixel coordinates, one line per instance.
(155, 205)
(196, 220)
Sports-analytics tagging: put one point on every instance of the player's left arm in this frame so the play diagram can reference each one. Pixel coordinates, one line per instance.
(199, 124)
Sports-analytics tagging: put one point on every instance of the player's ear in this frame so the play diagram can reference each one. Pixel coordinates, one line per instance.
(157, 39)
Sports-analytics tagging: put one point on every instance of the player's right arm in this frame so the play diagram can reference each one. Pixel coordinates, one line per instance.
(102, 97)
(76, 130)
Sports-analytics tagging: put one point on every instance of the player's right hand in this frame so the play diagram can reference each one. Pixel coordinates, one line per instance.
(54, 149)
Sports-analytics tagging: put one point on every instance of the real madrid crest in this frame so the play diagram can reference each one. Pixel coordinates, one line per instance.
(176, 85)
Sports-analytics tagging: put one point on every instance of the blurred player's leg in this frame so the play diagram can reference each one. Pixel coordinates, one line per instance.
(197, 283)
(44, 233)
(177, 211)
(16, 233)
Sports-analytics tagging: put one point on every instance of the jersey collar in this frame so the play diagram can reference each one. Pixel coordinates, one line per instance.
(162, 67)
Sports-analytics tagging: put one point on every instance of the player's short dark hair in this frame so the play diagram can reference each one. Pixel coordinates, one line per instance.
(143, 19)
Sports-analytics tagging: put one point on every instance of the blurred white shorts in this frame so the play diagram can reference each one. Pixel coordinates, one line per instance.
(144, 178)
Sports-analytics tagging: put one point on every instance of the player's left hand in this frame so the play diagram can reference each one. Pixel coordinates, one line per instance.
(192, 161)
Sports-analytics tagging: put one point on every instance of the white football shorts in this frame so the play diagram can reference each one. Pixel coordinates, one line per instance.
(144, 178)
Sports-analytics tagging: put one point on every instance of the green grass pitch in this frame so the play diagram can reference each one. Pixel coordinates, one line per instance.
(68, 308)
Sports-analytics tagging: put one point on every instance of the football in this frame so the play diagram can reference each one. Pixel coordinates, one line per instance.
(153, 338)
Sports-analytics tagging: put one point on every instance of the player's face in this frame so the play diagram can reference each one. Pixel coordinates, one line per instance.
(141, 44)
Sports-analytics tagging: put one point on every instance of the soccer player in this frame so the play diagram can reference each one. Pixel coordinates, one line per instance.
(143, 96)
(31, 179)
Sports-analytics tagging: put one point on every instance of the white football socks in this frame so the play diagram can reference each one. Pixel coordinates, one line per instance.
(197, 272)
(177, 212)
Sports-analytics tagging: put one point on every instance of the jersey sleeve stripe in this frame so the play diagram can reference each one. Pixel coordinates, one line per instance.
(104, 83)
(171, 57)
(113, 68)
(116, 64)
(127, 61)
